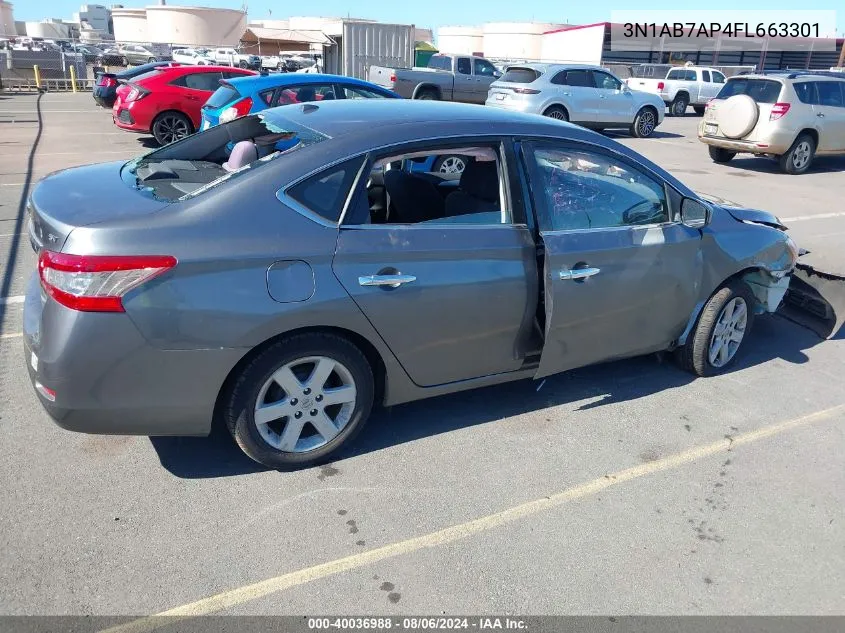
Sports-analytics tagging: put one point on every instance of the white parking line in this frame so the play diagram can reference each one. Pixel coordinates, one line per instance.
(10, 300)
(817, 216)
(4, 337)
(10, 234)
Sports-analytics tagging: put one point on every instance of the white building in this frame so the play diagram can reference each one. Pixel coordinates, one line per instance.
(49, 29)
(7, 20)
(94, 17)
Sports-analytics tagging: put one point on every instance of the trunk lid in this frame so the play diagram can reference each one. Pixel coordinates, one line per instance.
(82, 196)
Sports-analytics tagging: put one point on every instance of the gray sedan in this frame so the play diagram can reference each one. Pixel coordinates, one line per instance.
(587, 95)
(288, 283)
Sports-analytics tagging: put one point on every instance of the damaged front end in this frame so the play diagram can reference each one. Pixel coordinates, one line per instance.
(815, 299)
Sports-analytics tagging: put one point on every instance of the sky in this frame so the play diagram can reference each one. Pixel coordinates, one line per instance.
(434, 13)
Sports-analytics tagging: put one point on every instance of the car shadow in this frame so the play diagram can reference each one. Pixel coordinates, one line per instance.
(766, 165)
(148, 142)
(616, 134)
(597, 386)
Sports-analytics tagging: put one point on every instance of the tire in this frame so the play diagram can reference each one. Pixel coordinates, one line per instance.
(644, 123)
(243, 64)
(123, 61)
(695, 356)
(678, 107)
(699, 110)
(171, 126)
(557, 112)
(251, 390)
(720, 154)
(450, 164)
(151, 60)
(428, 95)
(799, 157)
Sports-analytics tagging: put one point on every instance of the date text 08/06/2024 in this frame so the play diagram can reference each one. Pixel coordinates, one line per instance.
(417, 623)
(712, 29)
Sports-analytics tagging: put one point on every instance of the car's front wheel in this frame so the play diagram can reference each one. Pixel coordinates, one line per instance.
(300, 400)
(719, 333)
(644, 123)
(171, 126)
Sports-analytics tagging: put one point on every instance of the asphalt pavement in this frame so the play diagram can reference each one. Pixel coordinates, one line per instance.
(624, 488)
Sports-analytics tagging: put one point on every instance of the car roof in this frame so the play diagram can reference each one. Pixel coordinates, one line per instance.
(557, 67)
(259, 82)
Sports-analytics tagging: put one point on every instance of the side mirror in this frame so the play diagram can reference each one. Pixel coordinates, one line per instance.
(694, 213)
(497, 74)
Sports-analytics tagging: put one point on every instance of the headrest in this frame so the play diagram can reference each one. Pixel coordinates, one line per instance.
(480, 179)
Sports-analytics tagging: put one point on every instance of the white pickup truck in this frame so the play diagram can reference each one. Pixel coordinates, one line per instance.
(682, 87)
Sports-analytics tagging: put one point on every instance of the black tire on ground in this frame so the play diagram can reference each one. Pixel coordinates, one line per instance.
(151, 60)
(694, 355)
(442, 159)
(678, 107)
(699, 110)
(799, 157)
(720, 154)
(243, 64)
(239, 406)
(428, 95)
(557, 112)
(171, 126)
(644, 123)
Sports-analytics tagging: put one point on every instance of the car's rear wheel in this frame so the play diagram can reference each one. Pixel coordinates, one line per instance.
(298, 401)
(171, 126)
(720, 154)
(428, 95)
(557, 112)
(699, 110)
(644, 123)
(721, 330)
(151, 59)
(798, 158)
(679, 105)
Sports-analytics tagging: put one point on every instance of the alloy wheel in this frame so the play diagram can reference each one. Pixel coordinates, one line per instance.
(646, 123)
(729, 332)
(679, 108)
(801, 155)
(557, 114)
(305, 404)
(170, 129)
(452, 165)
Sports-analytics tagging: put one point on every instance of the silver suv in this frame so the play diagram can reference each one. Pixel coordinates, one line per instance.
(587, 95)
(791, 115)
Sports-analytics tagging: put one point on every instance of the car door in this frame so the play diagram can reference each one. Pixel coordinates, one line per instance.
(615, 104)
(576, 90)
(464, 89)
(454, 297)
(830, 115)
(484, 73)
(621, 275)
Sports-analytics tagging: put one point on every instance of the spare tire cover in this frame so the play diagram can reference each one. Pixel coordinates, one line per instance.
(737, 116)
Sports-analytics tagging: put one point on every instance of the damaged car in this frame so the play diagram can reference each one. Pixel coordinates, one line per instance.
(286, 272)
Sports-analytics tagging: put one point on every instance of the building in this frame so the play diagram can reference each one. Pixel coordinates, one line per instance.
(172, 24)
(51, 29)
(129, 25)
(94, 17)
(7, 20)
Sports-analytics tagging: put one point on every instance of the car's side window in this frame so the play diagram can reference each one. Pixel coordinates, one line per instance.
(464, 66)
(705, 76)
(675, 74)
(208, 82)
(718, 77)
(304, 94)
(326, 192)
(483, 67)
(830, 93)
(604, 81)
(267, 96)
(582, 78)
(360, 93)
(585, 189)
(441, 185)
(806, 91)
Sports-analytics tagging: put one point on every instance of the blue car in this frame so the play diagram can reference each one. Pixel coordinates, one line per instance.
(248, 95)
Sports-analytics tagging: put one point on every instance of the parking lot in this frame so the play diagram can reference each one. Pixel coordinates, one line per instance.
(623, 488)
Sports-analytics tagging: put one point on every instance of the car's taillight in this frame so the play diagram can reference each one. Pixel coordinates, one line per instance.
(238, 109)
(135, 93)
(97, 283)
(393, 78)
(779, 110)
(526, 91)
(660, 85)
(108, 82)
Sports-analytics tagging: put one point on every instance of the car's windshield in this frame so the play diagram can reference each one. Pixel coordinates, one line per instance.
(205, 160)
(761, 90)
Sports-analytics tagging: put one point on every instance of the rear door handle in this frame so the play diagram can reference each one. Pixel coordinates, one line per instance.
(820, 114)
(390, 281)
(578, 273)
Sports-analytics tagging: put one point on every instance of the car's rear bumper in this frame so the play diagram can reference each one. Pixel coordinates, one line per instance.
(106, 378)
(777, 142)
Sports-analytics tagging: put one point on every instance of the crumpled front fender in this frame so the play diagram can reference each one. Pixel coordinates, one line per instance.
(816, 300)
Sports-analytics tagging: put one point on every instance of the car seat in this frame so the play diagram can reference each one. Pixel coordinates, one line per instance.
(478, 190)
(412, 199)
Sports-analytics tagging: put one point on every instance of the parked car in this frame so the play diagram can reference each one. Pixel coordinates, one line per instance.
(105, 87)
(682, 87)
(136, 55)
(112, 56)
(463, 78)
(89, 53)
(248, 95)
(166, 102)
(233, 57)
(242, 282)
(193, 57)
(790, 115)
(587, 95)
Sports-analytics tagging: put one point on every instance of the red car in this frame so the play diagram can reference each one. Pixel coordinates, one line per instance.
(166, 102)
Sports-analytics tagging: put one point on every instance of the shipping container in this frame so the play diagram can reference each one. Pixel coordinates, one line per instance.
(359, 45)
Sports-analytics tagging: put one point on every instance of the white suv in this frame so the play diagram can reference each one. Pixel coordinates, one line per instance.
(792, 115)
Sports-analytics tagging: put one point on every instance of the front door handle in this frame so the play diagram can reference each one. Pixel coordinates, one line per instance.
(390, 281)
(820, 114)
(578, 273)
